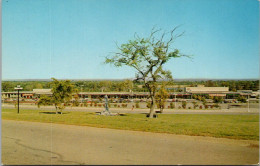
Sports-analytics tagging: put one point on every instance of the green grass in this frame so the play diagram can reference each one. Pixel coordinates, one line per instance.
(222, 126)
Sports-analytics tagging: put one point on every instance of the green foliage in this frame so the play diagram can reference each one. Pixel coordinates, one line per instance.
(116, 86)
(148, 104)
(184, 104)
(137, 105)
(75, 103)
(172, 105)
(161, 97)
(216, 105)
(45, 100)
(147, 56)
(195, 104)
(242, 99)
(61, 92)
(217, 99)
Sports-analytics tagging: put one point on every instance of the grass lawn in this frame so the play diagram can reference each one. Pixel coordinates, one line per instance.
(225, 126)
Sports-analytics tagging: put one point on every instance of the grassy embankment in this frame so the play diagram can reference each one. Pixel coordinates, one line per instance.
(222, 126)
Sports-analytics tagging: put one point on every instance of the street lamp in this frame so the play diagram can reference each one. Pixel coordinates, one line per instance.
(81, 93)
(18, 88)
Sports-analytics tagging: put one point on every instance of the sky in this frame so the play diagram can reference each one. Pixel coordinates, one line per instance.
(69, 39)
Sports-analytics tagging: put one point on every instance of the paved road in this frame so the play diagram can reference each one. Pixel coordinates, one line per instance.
(243, 111)
(43, 143)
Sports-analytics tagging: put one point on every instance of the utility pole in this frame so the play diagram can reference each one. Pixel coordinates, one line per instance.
(248, 104)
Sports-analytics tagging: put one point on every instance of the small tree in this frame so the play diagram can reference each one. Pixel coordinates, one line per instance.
(184, 104)
(61, 94)
(137, 105)
(172, 105)
(148, 56)
(195, 104)
(161, 97)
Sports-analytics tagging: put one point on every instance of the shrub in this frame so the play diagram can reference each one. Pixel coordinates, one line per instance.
(216, 105)
(179, 107)
(137, 105)
(148, 105)
(189, 107)
(242, 99)
(195, 104)
(184, 104)
(76, 103)
(217, 99)
(172, 105)
(200, 106)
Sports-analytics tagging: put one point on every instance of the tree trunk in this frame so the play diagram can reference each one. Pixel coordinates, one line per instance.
(56, 109)
(152, 107)
(161, 108)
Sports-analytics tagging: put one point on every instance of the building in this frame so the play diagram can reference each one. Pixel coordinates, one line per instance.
(185, 94)
(211, 91)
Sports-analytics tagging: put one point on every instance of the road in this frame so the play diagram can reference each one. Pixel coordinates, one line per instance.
(240, 111)
(46, 143)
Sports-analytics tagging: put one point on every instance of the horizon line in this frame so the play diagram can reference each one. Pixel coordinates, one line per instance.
(100, 79)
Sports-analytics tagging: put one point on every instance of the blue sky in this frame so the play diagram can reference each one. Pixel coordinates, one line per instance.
(70, 38)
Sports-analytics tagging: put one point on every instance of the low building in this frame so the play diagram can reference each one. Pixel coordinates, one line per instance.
(211, 91)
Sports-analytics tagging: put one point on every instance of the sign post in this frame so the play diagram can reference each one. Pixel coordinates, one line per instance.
(18, 88)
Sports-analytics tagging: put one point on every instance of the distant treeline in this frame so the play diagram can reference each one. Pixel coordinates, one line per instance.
(127, 85)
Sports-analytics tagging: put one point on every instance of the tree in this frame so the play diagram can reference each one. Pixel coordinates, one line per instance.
(161, 97)
(148, 56)
(209, 83)
(61, 94)
(7, 86)
(45, 100)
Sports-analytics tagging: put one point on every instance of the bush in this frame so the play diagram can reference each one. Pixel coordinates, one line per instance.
(200, 106)
(216, 105)
(189, 107)
(76, 103)
(217, 99)
(195, 105)
(179, 107)
(184, 104)
(137, 105)
(172, 105)
(242, 99)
